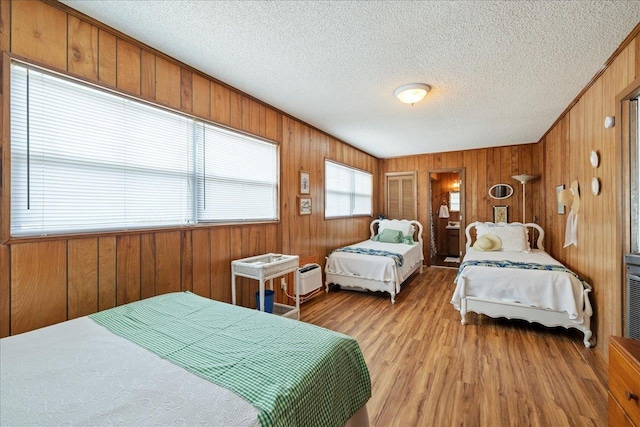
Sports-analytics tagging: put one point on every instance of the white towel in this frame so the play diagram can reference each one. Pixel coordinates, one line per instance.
(571, 232)
(444, 212)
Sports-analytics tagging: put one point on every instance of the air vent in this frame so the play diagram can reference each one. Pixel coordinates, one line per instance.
(632, 315)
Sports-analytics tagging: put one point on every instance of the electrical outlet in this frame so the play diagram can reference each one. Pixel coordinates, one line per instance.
(283, 284)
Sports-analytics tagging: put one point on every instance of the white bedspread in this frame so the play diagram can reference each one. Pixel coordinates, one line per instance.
(543, 289)
(374, 267)
(78, 373)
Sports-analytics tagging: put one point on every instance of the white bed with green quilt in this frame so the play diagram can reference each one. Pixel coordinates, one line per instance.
(382, 263)
(180, 359)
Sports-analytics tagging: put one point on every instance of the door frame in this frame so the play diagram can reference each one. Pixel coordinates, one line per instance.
(461, 173)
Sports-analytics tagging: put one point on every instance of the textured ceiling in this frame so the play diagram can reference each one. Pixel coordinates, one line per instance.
(501, 72)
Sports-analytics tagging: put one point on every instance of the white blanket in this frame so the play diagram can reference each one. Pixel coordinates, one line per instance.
(374, 267)
(79, 373)
(550, 290)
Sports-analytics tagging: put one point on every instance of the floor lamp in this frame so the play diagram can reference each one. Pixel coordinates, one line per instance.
(523, 180)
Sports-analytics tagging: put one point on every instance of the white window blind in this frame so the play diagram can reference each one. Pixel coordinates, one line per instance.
(237, 177)
(348, 191)
(84, 160)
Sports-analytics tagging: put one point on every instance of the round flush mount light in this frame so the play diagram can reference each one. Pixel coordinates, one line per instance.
(412, 92)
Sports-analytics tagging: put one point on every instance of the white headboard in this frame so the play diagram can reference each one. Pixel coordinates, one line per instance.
(539, 242)
(416, 224)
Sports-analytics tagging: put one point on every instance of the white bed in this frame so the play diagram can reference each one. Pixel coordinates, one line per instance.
(356, 271)
(80, 373)
(551, 298)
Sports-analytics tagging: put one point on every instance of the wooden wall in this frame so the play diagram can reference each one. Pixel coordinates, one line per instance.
(567, 146)
(48, 281)
(483, 169)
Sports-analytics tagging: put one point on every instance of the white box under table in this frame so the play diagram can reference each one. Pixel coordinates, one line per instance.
(267, 267)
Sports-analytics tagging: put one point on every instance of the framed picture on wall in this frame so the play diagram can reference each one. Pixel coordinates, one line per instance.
(500, 213)
(559, 188)
(305, 205)
(305, 185)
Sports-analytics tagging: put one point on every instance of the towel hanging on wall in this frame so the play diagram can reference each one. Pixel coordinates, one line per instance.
(444, 212)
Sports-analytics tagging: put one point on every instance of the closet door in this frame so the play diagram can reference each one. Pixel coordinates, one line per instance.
(401, 195)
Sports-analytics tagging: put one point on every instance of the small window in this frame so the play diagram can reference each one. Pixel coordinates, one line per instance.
(454, 201)
(348, 191)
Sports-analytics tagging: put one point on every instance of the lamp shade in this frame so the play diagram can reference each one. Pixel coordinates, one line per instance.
(412, 92)
(524, 178)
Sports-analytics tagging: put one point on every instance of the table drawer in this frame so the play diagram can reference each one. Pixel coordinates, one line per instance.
(617, 417)
(624, 383)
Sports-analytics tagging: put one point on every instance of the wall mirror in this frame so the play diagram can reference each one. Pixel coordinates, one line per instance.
(501, 191)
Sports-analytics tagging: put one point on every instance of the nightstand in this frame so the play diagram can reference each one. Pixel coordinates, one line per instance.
(624, 382)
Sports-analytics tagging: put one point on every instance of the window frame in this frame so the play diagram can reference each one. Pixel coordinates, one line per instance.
(5, 159)
(352, 193)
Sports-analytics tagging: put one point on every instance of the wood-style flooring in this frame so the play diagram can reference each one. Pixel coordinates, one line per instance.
(427, 369)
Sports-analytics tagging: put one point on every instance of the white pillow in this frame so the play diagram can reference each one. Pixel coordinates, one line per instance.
(514, 237)
(395, 224)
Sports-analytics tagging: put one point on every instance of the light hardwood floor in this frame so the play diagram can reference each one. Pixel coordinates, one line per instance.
(429, 370)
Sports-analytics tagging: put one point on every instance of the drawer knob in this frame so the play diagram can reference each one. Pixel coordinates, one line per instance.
(630, 396)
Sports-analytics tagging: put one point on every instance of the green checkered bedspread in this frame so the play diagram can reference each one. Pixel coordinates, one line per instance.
(295, 373)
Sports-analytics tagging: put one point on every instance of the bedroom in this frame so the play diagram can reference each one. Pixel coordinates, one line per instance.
(52, 280)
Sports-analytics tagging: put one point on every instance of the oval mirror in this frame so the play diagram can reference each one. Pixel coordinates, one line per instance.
(501, 191)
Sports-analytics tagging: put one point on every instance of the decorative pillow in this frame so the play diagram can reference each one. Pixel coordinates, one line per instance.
(389, 235)
(514, 237)
(395, 224)
(408, 240)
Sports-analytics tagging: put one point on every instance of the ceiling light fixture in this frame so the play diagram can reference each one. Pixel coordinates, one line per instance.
(412, 92)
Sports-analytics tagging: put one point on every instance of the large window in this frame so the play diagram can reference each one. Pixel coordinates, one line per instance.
(348, 191)
(85, 160)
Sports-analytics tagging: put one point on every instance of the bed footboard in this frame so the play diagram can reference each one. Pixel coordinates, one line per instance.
(547, 318)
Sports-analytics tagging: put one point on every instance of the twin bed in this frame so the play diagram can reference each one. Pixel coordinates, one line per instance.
(518, 282)
(382, 263)
(180, 359)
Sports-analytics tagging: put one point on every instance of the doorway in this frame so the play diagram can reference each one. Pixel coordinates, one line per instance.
(446, 216)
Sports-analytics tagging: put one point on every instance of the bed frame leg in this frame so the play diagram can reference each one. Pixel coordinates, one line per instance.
(463, 318)
(587, 336)
(393, 298)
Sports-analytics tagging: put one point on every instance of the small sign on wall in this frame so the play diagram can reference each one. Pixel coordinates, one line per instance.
(304, 204)
(500, 213)
(305, 184)
(559, 188)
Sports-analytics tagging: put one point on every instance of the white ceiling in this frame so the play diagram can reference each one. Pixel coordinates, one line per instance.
(501, 71)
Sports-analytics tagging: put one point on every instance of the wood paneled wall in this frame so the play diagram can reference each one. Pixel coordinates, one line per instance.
(483, 169)
(567, 146)
(49, 281)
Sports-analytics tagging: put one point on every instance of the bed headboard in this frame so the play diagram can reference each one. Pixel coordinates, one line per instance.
(539, 241)
(418, 228)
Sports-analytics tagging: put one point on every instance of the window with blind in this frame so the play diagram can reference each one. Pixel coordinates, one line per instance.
(348, 191)
(88, 160)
